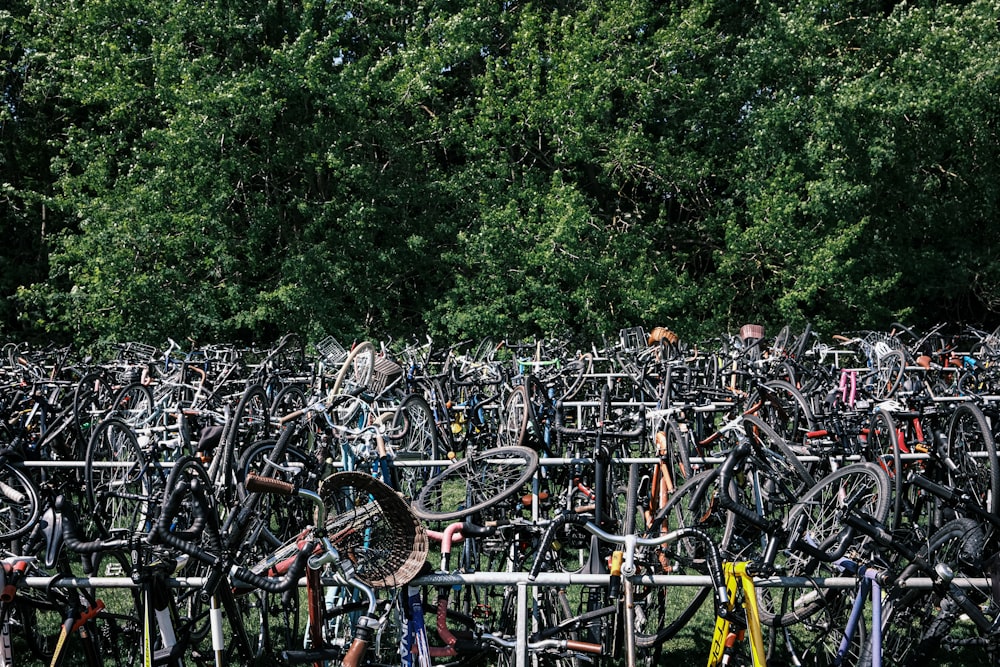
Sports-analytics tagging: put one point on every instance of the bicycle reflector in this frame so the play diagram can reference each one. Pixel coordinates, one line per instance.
(374, 528)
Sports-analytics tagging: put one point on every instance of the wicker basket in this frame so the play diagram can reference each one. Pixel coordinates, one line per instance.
(751, 332)
(373, 526)
(385, 371)
(659, 334)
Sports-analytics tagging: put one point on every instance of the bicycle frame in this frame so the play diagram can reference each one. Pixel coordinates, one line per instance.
(869, 586)
(729, 627)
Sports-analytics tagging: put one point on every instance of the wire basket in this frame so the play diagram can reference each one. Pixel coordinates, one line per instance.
(331, 352)
(137, 353)
(878, 345)
(633, 338)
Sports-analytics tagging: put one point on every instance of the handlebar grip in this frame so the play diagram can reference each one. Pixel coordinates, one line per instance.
(470, 529)
(356, 653)
(278, 585)
(292, 415)
(12, 576)
(71, 535)
(584, 647)
(310, 655)
(258, 484)
(73, 542)
(945, 493)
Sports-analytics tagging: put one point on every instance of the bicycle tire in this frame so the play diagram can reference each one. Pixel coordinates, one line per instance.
(418, 441)
(775, 455)
(910, 614)
(959, 544)
(476, 483)
(972, 448)
(250, 421)
(514, 423)
(817, 518)
(883, 448)
(575, 373)
(356, 373)
(20, 504)
(681, 449)
(785, 409)
(133, 404)
(118, 489)
(290, 399)
(887, 375)
(91, 400)
(281, 517)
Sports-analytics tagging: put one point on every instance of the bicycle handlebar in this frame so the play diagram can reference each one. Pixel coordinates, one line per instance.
(954, 496)
(72, 539)
(713, 560)
(284, 583)
(185, 543)
(318, 406)
(726, 472)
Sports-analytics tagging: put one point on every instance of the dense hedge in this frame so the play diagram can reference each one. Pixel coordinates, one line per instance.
(234, 170)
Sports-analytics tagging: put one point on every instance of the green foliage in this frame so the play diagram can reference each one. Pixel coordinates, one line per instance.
(235, 170)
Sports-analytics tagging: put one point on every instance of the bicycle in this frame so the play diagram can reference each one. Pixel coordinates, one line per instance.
(370, 538)
(621, 614)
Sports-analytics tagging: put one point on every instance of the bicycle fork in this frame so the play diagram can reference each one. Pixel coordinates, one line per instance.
(731, 627)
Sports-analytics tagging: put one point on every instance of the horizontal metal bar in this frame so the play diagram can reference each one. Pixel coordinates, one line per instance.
(544, 579)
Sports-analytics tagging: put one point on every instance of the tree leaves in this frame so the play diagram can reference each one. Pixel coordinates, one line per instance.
(236, 170)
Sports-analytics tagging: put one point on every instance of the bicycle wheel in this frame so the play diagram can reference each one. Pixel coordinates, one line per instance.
(816, 521)
(959, 545)
(781, 477)
(816, 640)
(356, 373)
(115, 473)
(972, 448)
(119, 628)
(680, 449)
(133, 404)
(514, 424)
(250, 421)
(417, 440)
(574, 374)
(912, 626)
(883, 448)
(887, 375)
(783, 407)
(475, 483)
(281, 517)
(20, 505)
(290, 399)
(91, 399)
(661, 611)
